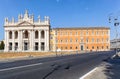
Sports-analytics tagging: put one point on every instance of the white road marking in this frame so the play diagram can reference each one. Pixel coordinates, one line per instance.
(84, 76)
(20, 67)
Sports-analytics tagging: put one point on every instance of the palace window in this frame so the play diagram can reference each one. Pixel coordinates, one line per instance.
(56, 40)
(97, 33)
(70, 33)
(93, 40)
(107, 32)
(56, 48)
(107, 40)
(61, 48)
(55, 32)
(76, 40)
(76, 47)
(66, 33)
(102, 32)
(51, 36)
(81, 33)
(60, 33)
(87, 40)
(65, 47)
(97, 40)
(97, 47)
(71, 40)
(66, 41)
(87, 47)
(76, 33)
(102, 40)
(102, 47)
(51, 47)
(107, 47)
(87, 33)
(92, 32)
(61, 41)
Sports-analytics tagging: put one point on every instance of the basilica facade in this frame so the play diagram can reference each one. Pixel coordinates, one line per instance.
(26, 34)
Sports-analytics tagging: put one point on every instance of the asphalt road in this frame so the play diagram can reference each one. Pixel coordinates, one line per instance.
(62, 67)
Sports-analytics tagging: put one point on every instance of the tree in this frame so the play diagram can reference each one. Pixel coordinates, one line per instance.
(2, 45)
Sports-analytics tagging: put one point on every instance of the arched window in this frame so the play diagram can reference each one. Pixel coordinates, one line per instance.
(42, 34)
(36, 34)
(26, 34)
(10, 35)
(16, 34)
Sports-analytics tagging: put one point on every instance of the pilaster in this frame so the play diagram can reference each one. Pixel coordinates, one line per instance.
(39, 40)
(13, 40)
(6, 41)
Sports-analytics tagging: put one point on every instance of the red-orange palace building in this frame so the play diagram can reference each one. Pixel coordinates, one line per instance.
(80, 39)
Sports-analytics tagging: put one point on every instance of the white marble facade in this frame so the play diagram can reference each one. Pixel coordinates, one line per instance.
(27, 34)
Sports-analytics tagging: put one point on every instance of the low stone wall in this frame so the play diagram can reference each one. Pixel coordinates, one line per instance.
(6, 55)
(24, 54)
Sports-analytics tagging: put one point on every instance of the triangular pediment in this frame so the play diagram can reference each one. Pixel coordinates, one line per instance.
(25, 23)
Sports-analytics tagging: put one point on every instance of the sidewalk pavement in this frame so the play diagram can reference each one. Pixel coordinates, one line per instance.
(109, 69)
(98, 72)
(113, 70)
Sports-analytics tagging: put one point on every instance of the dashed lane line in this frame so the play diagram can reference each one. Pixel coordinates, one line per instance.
(20, 67)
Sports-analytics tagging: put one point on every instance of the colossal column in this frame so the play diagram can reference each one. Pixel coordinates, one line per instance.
(19, 40)
(47, 40)
(31, 40)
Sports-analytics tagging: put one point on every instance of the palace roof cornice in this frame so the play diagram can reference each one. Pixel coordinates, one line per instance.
(78, 28)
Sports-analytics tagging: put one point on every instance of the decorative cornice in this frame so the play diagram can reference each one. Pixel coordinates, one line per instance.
(27, 18)
(78, 28)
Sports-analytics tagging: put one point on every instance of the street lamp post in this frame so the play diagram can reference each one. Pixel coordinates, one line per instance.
(116, 23)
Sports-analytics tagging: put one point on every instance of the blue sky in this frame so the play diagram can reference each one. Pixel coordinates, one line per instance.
(63, 13)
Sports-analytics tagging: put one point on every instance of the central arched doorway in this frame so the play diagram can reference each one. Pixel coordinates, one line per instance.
(26, 40)
(82, 47)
